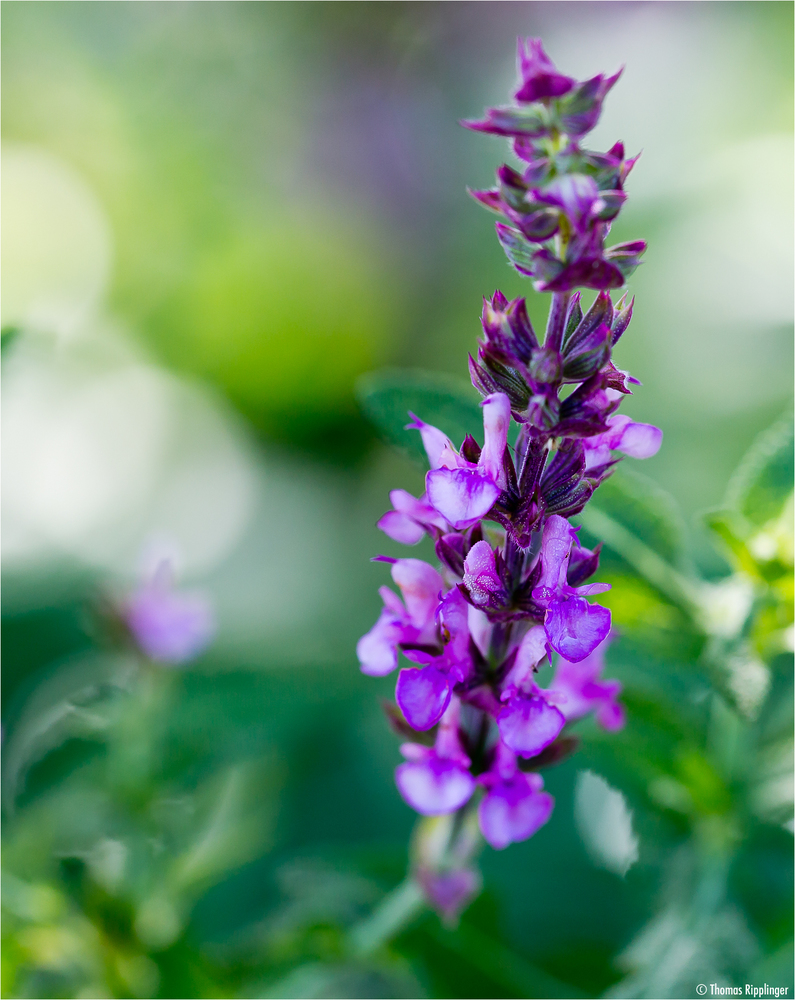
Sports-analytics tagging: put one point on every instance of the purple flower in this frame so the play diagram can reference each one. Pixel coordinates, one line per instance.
(578, 198)
(436, 780)
(413, 624)
(528, 724)
(423, 694)
(581, 107)
(461, 491)
(433, 785)
(633, 439)
(578, 689)
(410, 518)
(514, 806)
(586, 264)
(539, 77)
(483, 581)
(573, 626)
(169, 626)
(568, 107)
(449, 892)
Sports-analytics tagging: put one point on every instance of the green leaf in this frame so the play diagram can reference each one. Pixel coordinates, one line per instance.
(452, 405)
(646, 510)
(8, 335)
(763, 479)
(641, 525)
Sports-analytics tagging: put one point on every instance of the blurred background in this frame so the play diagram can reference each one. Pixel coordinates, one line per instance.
(217, 216)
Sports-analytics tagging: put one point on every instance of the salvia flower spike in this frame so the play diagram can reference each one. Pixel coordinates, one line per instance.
(512, 597)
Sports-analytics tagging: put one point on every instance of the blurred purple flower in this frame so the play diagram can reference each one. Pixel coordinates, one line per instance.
(578, 689)
(514, 806)
(449, 891)
(436, 780)
(410, 518)
(168, 625)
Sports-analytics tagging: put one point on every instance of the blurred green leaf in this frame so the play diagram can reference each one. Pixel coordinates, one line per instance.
(8, 336)
(285, 343)
(72, 699)
(640, 523)
(763, 480)
(387, 398)
(644, 508)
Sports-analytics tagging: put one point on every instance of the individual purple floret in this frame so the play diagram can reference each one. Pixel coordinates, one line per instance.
(514, 805)
(449, 891)
(513, 594)
(436, 780)
(537, 73)
(412, 625)
(168, 625)
(463, 491)
(578, 689)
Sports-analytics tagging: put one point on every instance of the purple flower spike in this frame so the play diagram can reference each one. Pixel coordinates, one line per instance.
(528, 724)
(538, 74)
(169, 626)
(515, 806)
(515, 591)
(422, 694)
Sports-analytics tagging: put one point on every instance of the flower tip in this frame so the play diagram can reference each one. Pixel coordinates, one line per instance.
(474, 125)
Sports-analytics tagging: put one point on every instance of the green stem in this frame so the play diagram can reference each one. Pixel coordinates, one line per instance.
(388, 919)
